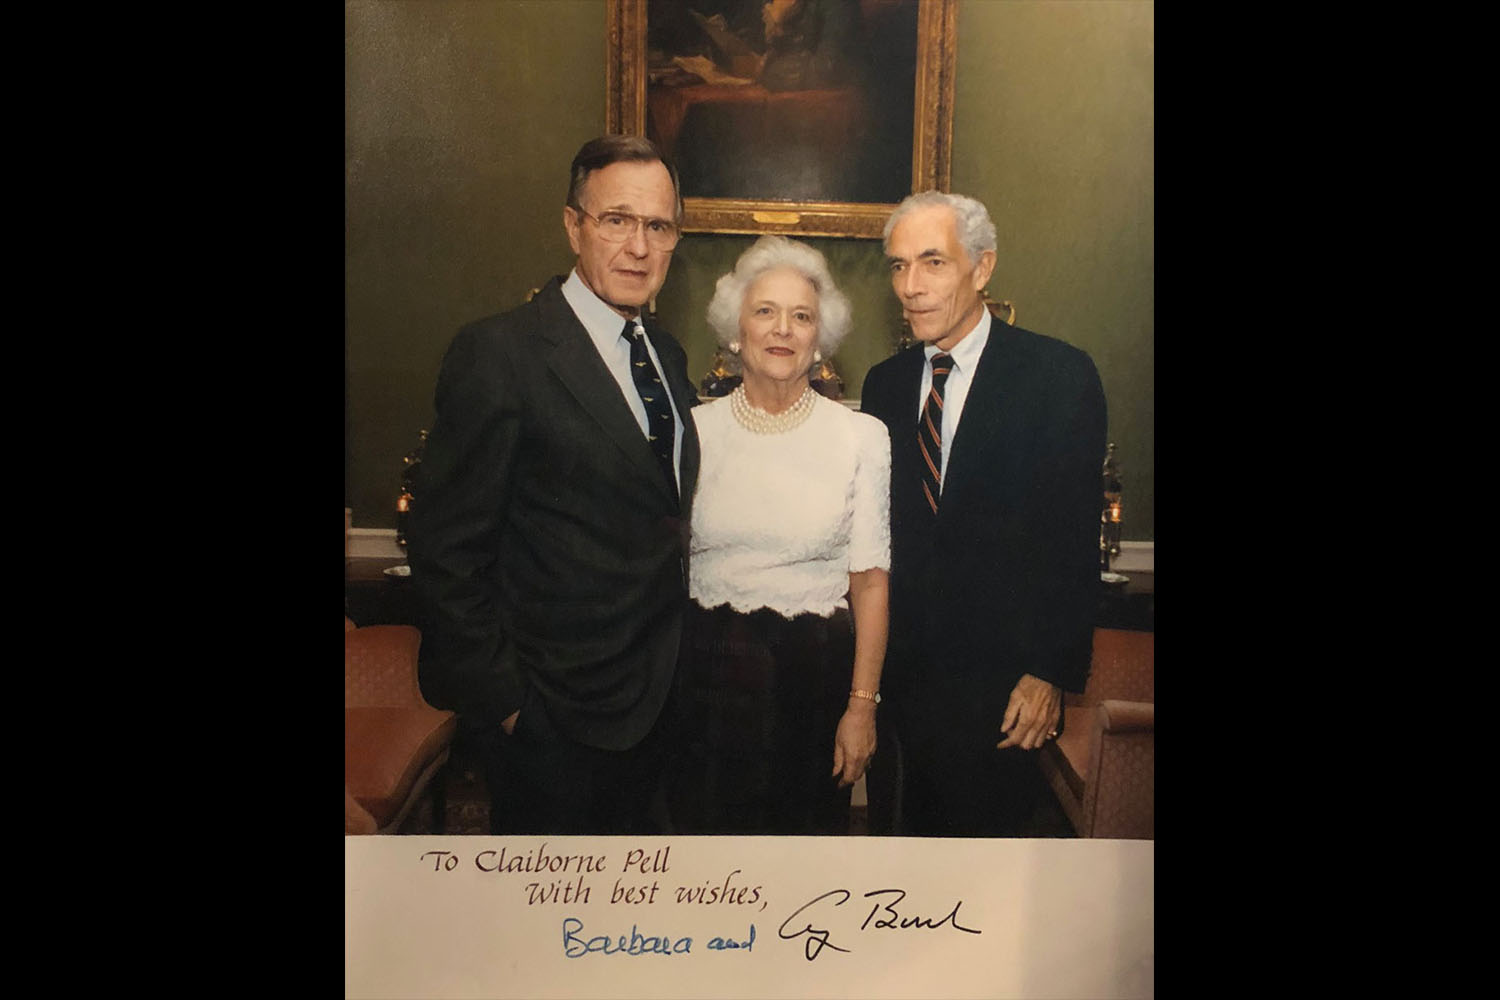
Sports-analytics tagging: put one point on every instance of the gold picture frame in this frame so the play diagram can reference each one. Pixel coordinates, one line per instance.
(626, 95)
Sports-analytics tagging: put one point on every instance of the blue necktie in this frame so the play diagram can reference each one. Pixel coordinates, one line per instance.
(662, 430)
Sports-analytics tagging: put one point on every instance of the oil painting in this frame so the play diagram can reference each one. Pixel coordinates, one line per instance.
(810, 117)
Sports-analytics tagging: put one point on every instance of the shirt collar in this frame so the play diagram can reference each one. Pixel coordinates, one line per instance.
(966, 352)
(602, 323)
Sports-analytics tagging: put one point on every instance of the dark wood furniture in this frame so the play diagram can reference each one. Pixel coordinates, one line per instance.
(373, 597)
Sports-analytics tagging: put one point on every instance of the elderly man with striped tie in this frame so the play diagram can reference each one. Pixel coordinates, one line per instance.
(997, 435)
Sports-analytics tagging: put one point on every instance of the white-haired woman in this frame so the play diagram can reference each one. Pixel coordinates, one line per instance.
(780, 666)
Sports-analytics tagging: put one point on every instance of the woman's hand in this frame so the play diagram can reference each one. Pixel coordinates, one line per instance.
(854, 742)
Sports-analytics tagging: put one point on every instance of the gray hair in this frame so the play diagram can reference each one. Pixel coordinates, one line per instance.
(596, 154)
(976, 233)
(770, 253)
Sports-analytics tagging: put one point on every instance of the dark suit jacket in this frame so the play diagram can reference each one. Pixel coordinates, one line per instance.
(1004, 580)
(547, 547)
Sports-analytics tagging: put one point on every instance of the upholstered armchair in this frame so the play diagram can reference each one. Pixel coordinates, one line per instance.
(1103, 766)
(395, 743)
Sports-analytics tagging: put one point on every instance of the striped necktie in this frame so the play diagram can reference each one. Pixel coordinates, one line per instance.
(930, 430)
(662, 430)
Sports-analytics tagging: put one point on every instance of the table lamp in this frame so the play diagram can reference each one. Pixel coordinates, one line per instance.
(1109, 519)
(404, 499)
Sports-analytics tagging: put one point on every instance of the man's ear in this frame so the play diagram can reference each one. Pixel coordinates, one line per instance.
(983, 271)
(570, 226)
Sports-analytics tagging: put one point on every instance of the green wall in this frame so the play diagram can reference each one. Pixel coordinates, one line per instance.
(461, 117)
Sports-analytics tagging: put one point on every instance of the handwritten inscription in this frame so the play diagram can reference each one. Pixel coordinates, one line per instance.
(539, 861)
(804, 922)
(572, 887)
(814, 924)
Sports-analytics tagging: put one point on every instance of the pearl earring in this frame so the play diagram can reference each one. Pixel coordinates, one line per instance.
(817, 357)
(734, 347)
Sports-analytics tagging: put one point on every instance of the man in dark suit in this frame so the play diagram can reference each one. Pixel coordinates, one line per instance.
(547, 537)
(997, 436)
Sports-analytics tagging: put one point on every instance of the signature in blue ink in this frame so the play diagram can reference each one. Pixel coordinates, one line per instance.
(577, 945)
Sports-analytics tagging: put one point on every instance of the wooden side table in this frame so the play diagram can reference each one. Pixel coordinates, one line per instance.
(374, 597)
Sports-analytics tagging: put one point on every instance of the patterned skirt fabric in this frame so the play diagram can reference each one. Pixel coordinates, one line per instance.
(759, 699)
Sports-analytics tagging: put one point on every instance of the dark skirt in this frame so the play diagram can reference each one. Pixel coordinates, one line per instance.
(758, 701)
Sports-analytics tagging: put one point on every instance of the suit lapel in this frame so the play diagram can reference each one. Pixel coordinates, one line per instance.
(908, 503)
(576, 363)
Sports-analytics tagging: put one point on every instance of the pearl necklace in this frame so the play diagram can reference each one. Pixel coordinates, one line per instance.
(753, 418)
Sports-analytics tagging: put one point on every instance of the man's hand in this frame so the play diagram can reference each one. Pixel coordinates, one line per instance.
(1034, 709)
(509, 723)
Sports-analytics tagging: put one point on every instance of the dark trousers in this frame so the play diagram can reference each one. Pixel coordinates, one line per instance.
(543, 782)
(937, 772)
(967, 790)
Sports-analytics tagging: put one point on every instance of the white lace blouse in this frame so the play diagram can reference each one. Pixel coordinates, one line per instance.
(781, 520)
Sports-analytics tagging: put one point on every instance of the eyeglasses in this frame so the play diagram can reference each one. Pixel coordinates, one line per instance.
(617, 227)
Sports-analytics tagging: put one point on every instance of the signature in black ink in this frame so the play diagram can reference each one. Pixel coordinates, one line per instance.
(883, 915)
(817, 938)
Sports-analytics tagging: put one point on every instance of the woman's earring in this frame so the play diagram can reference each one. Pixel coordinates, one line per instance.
(734, 347)
(817, 357)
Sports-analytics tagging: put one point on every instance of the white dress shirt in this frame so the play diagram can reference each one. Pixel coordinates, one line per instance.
(965, 356)
(603, 325)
